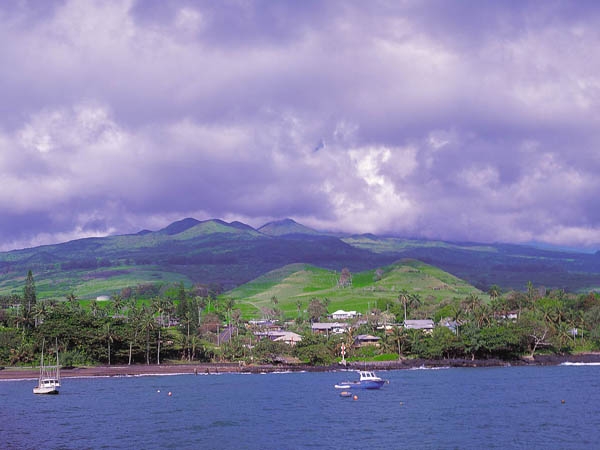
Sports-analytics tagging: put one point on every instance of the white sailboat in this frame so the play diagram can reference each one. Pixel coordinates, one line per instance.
(49, 380)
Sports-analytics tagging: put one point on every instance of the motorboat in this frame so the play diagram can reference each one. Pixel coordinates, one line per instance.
(367, 380)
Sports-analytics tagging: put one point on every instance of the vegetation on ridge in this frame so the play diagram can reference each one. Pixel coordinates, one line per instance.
(167, 322)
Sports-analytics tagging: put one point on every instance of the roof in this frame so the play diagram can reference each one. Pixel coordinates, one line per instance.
(288, 336)
(328, 325)
(422, 324)
(341, 312)
(367, 337)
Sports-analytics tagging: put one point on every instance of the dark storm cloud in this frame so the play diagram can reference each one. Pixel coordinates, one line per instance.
(440, 119)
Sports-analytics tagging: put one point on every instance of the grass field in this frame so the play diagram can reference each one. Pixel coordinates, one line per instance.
(298, 283)
(88, 284)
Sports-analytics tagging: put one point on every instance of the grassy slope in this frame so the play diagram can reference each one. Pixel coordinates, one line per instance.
(394, 245)
(301, 282)
(91, 283)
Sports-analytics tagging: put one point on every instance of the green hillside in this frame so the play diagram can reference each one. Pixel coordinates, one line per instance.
(227, 255)
(301, 282)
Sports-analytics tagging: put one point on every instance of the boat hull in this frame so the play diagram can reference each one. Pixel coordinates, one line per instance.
(45, 390)
(371, 384)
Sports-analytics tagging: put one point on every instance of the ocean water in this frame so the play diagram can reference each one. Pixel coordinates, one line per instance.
(510, 407)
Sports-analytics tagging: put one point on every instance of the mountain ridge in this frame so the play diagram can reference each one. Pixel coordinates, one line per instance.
(230, 254)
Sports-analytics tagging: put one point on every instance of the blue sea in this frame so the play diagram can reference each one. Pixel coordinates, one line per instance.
(505, 407)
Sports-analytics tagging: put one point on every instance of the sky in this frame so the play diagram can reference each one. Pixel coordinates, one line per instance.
(453, 119)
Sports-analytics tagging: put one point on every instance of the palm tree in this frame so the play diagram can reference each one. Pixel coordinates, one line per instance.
(148, 324)
(187, 321)
(472, 301)
(229, 304)
(72, 299)
(404, 298)
(117, 303)
(457, 312)
(399, 338)
(158, 307)
(39, 312)
(482, 315)
(109, 338)
(532, 294)
(94, 307)
(409, 300)
(494, 292)
(135, 320)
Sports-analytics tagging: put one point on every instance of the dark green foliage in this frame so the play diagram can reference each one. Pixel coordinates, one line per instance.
(270, 352)
(443, 343)
(313, 349)
(29, 294)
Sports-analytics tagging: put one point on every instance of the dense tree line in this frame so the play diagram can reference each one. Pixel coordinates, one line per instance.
(150, 324)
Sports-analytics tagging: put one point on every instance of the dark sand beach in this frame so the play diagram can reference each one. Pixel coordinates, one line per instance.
(14, 373)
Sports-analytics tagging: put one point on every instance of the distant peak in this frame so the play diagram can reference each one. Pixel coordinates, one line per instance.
(284, 227)
(241, 226)
(179, 226)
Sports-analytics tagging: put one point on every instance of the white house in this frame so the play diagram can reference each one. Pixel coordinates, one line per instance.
(340, 314)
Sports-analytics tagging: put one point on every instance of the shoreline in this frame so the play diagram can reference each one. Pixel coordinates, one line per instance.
(20, 373)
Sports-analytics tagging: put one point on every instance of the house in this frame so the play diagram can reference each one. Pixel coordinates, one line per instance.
(340, 314)
(364, 340)
(452, 325)
(426, 325)
(329, 327)
(264, 325)
(508, 315)
(288, 337)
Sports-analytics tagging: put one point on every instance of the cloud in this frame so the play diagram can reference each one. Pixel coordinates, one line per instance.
(432, 119)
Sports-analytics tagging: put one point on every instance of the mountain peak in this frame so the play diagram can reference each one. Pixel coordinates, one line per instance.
(179, 226)
(284, 227)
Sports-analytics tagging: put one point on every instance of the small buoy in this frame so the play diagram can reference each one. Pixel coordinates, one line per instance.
(170, 394)
(355, 397)
(401, 403)
(562, 401)
(158, 391)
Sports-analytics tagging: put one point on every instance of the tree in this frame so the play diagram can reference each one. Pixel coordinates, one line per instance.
(109, 339)
(471, 302)
(186, 322)
(313, 350)
(72, 299)
(134, 322)
(29, 293)
(94, 307)
(148, 325)
(230, 303)
(117, 303)
(494, 292)
(345, 279)
(404, 298)
(408, 300)
(398, 336)
(316, 309)
(39, 312)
